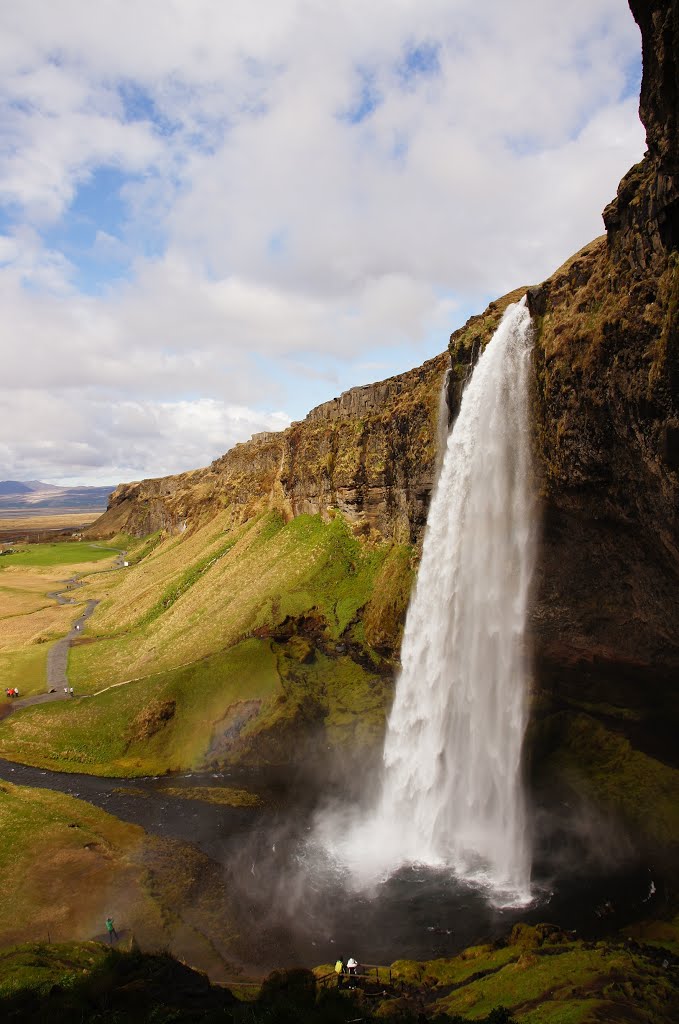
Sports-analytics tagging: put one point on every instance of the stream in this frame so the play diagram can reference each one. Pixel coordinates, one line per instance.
(303, 905)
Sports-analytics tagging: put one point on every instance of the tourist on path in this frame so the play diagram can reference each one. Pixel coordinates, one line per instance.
(339, 970)
(111, 930)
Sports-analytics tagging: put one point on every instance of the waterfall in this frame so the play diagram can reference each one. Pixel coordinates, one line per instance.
(451, 793)
(442, 427)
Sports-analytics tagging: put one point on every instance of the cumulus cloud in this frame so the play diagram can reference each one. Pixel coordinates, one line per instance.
(215, 210)
(109, 442)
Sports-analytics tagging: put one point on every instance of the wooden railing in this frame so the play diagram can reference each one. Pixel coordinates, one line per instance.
(365, 972)
(375, 973)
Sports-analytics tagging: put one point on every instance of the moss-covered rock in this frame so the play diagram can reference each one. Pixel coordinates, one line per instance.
(602, 768)
(541, 981)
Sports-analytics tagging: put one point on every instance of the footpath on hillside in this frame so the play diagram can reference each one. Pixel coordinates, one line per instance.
(57, 657)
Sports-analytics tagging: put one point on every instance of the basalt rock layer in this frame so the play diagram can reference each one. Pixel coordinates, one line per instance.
(607, 413)
(369, 454)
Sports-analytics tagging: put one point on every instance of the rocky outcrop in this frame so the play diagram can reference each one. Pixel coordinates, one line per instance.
(357, 403)
(369, 454)
(243, 479)
(643, 220)
(606, 617)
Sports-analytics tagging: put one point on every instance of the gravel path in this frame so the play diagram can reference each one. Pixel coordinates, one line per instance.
(57, 656)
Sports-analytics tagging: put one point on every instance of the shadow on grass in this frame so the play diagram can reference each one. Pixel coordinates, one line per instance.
(88, 983)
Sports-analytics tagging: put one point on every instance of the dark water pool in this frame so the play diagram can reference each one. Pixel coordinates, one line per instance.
(300, 905)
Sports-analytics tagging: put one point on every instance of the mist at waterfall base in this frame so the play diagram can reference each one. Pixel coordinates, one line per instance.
(289, 902)
(450, 795)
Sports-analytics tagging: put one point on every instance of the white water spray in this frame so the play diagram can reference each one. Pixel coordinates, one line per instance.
(451, 791)
(442, 427)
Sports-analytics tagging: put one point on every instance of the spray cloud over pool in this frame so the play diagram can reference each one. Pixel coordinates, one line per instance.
(451, 795)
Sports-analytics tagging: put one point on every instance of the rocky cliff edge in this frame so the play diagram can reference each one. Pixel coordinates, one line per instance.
(368, 454)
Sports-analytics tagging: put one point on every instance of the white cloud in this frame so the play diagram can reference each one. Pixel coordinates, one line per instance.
(301, 188)
(106, 444)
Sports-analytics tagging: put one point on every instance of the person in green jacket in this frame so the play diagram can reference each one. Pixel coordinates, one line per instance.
(112, 933)
(339, 970)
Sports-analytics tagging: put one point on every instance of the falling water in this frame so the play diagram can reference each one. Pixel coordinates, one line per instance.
(442, 426)
(451, 792)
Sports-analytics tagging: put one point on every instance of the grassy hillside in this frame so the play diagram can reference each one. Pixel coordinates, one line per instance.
(256, 701)
(233, 642)
(542, 977)
(193, 595)
(72, 865)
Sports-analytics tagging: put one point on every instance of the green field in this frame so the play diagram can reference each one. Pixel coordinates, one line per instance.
(66, 553)
(25, 669)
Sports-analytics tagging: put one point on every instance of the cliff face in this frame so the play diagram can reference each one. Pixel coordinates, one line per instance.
(606, 409)
(369, 454)
(608, 400)
(606, 617)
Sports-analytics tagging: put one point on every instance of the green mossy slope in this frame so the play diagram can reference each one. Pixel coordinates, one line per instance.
(230, 644)
(194, 596)
(602, 768)
(68, 865)
(256, 701)
(541, 978)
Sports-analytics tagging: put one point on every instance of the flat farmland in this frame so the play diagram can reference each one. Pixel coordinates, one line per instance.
(18, 526)
(80, 556)
(15, 519)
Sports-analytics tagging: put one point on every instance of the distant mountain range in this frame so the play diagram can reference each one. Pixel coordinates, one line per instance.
(34, 496)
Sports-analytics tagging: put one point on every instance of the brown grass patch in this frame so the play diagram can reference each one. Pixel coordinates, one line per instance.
(20, 602)
(37, 579)
(151, 719)
(50, 521)
(40, 626)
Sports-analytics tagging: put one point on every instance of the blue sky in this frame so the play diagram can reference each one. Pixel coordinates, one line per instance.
(216, 215)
